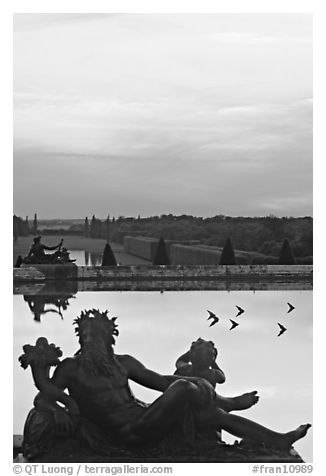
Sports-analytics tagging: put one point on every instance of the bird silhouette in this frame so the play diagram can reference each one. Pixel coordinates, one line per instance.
(234, 324)
(282, 330)
(212, 316)
(290, 307)
(241, 311)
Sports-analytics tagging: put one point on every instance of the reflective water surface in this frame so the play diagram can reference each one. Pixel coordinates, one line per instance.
(157, 327)
(86, 258)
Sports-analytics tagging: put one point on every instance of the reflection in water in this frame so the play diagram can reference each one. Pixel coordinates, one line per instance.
(93, 259)
(37, 304)
(87, 258)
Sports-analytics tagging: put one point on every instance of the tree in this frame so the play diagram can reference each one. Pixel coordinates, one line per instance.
(107, 228)
(108, 258)
(286, 256)
(86, 227)
(35, 226)
(20, 227)
(227, 256)
(161, 255)
(95, 228)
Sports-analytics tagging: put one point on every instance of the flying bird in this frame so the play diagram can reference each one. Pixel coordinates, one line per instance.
(234, 324)
(241, 311)
(282, 330)
(212, 316)
(290, 307)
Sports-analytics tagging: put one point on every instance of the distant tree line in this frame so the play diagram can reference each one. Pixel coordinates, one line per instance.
(20, 227)
(96, 228)
(227, 256)
(263, 235)
(259, 234)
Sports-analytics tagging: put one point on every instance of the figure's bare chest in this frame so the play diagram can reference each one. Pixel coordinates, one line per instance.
(90, 382)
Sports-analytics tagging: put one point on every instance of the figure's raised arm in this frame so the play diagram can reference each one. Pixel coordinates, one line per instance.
(219, 375)
(51, 248)
(183, 360)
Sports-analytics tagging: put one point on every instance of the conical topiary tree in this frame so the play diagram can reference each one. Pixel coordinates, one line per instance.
(161, 255)
(286, 256)
(108, 258)
(227, 256)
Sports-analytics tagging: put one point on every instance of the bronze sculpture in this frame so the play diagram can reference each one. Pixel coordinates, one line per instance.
(37, 304)
(37, 254)
(102, 410)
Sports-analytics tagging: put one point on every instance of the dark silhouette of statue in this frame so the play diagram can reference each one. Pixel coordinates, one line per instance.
(161, 256)
(200, 361)
(102, 410)
(37, 254)
(38, 248)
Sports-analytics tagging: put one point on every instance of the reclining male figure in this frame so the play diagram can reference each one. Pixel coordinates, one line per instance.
(97, 380)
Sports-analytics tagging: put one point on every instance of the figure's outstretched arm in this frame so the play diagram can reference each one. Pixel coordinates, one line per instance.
(150, 379)
(143, 376)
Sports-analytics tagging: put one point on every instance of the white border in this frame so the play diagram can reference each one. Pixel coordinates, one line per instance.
(168, 6)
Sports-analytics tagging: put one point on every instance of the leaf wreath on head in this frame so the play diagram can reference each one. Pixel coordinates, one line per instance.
(100, 318)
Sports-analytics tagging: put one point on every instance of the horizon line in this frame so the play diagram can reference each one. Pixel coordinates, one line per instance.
(165, 214)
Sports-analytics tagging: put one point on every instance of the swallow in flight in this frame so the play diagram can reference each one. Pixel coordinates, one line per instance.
(282, 330)
(212, 316)
(234, 324)
(290, 307)
(240, 311)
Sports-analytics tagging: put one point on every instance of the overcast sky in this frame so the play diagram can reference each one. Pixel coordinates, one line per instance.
(146, 114)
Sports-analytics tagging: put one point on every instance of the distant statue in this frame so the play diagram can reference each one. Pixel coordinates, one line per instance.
(38, 249)
(37, 254)
(102, 410)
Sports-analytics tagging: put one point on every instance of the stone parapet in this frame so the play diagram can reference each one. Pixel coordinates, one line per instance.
(168, 277)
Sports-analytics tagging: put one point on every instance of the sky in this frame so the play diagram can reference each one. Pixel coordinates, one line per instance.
(128, 114)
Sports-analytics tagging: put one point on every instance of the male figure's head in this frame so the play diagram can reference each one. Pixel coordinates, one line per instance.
(203, 353)
(96, 338)
(37, 240)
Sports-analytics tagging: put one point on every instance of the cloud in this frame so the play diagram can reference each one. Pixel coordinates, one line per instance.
(151, 95)
(31, 21)
(256, 39)
(79, 124)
